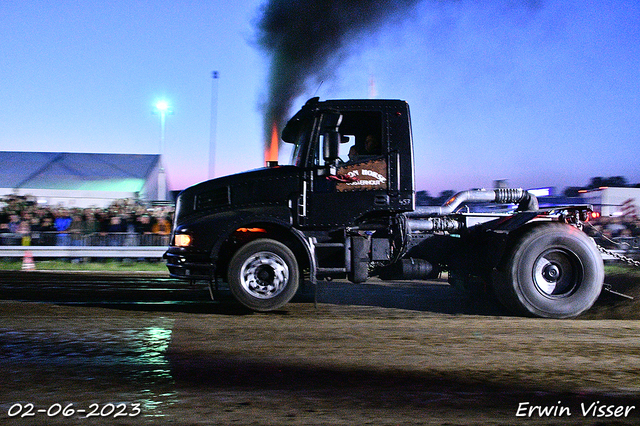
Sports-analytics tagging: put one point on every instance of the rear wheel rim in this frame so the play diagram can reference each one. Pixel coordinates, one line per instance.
(557, 273)
(264, 275)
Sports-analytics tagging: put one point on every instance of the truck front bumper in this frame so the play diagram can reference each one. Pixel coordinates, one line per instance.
(188, 264)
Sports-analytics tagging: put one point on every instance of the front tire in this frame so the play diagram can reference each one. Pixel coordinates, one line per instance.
(263, 275)
(553, 271)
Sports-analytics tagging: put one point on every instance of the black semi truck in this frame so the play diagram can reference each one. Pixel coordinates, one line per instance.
(345, 208)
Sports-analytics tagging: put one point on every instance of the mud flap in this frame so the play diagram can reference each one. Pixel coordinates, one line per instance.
(360, 247)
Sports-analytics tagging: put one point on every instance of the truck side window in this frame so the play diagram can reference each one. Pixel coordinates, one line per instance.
(365, 130)
(361, 138)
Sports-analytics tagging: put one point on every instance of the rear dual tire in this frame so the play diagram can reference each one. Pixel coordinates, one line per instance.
(553, 271)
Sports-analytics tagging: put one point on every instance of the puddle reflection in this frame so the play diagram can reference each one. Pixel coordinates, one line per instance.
(88, 356)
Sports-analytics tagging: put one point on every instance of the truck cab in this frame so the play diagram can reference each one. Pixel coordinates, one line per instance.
(345, 208)
(352, 163)
(356, 158)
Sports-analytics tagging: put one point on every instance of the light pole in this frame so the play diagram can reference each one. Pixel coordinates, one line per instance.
(162, 108)
(214, 114)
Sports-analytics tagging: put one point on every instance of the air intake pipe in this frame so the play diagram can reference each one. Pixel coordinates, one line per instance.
(524, 199)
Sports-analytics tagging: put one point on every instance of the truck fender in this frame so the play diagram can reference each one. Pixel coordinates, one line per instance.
(250, 221)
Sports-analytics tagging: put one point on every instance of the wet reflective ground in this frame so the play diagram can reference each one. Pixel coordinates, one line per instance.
(59, 355)
(145, 349)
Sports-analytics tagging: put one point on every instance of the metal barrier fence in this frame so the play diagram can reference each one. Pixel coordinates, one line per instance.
(97, 239)
(80, 252)
(98, 245)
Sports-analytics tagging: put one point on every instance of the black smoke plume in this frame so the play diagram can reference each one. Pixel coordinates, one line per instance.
(304, 37)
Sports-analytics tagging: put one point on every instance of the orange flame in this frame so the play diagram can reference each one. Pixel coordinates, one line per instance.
(271, 152)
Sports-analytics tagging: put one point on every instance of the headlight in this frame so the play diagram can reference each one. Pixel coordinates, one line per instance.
(182, 240)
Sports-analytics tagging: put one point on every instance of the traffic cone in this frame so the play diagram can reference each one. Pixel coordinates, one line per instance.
(27, 261)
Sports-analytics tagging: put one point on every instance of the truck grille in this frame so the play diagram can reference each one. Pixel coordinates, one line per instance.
(213, 199)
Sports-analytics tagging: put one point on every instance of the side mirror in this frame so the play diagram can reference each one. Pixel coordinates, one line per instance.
(330, 146)
(331, 131)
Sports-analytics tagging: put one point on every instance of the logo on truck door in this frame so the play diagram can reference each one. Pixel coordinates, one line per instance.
(365, 176)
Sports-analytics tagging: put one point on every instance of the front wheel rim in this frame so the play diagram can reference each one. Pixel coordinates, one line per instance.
(264, 275)
(557, 273)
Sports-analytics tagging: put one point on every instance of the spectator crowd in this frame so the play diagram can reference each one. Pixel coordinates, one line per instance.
(125, 222)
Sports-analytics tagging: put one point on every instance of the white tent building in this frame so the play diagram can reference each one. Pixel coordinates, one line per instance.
(80, 179)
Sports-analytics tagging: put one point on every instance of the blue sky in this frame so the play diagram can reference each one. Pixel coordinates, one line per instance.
(542, 93)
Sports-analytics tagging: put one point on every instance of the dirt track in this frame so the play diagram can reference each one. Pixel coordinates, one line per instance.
(202, 363)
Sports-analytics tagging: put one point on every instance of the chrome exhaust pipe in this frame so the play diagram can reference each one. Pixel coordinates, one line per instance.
(499, 196)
